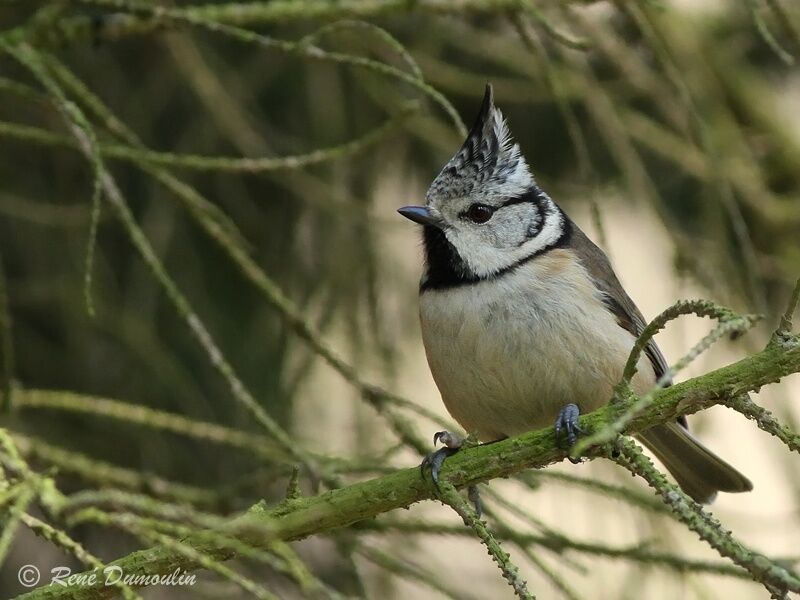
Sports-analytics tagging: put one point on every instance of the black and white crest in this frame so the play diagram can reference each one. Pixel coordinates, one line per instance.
(488, 166)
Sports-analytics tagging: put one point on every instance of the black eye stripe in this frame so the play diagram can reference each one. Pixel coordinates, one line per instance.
(532, 196)
(521, 200)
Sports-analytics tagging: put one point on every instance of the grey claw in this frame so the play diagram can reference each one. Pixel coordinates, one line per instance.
(448, 439)
(434, 462)
(568, 421)
(452, 443)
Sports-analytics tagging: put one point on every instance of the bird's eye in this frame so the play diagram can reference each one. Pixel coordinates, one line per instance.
(480, 213)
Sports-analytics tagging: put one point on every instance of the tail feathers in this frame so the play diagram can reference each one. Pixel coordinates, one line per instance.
(699, 472)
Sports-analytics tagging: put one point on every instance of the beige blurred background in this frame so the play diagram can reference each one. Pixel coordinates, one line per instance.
(767, 519)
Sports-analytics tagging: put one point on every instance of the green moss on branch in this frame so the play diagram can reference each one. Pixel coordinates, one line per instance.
(337, 508)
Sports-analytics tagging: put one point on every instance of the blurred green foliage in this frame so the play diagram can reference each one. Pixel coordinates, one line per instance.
(683, 109)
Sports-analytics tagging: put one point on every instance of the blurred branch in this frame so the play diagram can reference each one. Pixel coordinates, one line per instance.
(776, 578)
(567, 39)
(223, 232)
(378, 33)
(228, 164)
(412, 572)
(571, 121)
(690, 159)
(561, 544)
(451, 496)
(106, 474)
(195, 204)
(300, 49)
(60, 539)
(84, 135)
(786, 319)
(87, 29)
(158, 16)
(6, 345)
(785, 19)
(298, 518)
(148, 417)
(704, 106)
(766, 34)
(534, 479)
(765, 421)
(219, 229)
(43, 214)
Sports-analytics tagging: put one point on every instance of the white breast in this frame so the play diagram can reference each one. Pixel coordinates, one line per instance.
(509, 353)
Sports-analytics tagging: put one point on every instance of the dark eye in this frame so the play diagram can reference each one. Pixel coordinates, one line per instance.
(479, 213)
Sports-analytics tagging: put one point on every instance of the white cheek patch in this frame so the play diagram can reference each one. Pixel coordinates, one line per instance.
(551, 231)
(519, 222)
(486, 260)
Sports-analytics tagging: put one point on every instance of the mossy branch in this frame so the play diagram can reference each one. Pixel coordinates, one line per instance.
(299, 518)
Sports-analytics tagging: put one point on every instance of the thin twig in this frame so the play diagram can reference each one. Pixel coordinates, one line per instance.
(452, 497)
(786, 319)
(765, 421)
(776, 578)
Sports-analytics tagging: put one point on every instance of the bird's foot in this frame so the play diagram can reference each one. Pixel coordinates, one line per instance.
(567, 421)
(434, 461)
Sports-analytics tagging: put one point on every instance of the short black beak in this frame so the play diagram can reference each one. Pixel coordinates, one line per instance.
(419, 214)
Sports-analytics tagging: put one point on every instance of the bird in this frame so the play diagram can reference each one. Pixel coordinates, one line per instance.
(523, 320)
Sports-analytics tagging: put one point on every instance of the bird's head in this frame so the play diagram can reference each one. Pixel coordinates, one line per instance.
(484, 213)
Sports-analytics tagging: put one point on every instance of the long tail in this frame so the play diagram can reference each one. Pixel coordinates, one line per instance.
(699, 472)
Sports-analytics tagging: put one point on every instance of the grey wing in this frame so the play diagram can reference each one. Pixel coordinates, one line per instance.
(628, 316)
